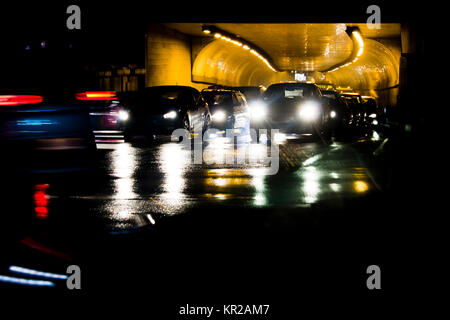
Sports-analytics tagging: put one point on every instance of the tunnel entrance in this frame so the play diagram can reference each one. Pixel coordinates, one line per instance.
(245, 54)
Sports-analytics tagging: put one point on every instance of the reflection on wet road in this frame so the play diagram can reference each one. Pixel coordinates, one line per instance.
(144, 183)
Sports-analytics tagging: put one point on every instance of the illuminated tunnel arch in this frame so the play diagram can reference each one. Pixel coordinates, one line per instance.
(221, 63)
(376, 73)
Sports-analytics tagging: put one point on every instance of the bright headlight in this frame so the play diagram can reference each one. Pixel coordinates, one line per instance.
(309, 111)
(219, 115)
(333, 114)
(123, 115)
(170, 115)
(372, 115)
(258, 110)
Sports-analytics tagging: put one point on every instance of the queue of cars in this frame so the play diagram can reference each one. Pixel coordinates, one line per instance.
(291, 107)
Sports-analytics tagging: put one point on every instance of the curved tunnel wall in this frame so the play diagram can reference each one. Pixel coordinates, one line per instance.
(376, 73)
(221, 63)
(170, 60)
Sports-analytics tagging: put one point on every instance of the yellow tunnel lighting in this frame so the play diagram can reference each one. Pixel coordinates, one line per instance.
(234, 40)
(359, 43)
(206, 29)
(358, 37)
(360, 51)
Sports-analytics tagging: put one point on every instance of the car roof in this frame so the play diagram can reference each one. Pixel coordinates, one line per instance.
(171, 87)
(220, 90)
(286, 84)
(329, 91)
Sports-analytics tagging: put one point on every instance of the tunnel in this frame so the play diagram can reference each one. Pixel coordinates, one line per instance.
(184, 54)
(136, 163)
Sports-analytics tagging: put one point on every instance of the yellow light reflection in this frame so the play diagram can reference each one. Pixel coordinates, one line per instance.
(360, 186)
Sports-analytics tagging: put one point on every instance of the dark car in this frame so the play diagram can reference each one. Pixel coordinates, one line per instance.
(162, 109)
(371, 112)
(251, 93)
(228, 108)
(339, 110)
(294, 108)
(45, 109)
(355, 104)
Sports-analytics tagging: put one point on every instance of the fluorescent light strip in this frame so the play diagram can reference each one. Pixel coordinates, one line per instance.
(245, 47)
(360, 42)
(27, 282)
(36, 273)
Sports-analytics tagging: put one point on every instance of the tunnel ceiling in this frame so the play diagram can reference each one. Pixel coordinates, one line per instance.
(302, 47)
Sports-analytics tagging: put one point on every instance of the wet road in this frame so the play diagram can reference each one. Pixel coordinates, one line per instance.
(149, 209)
(142, 184)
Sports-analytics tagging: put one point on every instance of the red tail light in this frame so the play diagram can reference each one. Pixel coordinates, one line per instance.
(97, 95)
(15, 100)
(40, 201)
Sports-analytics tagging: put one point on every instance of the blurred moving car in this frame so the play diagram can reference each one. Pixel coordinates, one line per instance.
(339, 110)
(162, 109)
(292, 107)
(45, 109)
(228, 108)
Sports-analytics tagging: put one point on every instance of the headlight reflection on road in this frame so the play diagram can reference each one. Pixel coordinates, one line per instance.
(259, 199)
(123, 162)
(173, 161)
(311, 186)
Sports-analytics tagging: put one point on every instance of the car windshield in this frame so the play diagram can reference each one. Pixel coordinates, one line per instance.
(250, 92)
(224, 99)
(290, 91)
(162, 98)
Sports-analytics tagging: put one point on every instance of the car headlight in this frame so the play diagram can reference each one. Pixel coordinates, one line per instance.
(258, 110)
(309, 111)
(170, 115)
(372, 115)
(333, 114)
(123, 115)
(219, 116)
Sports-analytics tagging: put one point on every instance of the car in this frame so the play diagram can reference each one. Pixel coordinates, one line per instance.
(371, 112)
(355, 103)
(45, 119)
(293, 108)
(229, 109)
(339, 110)
(251, 93)
(159, 110)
